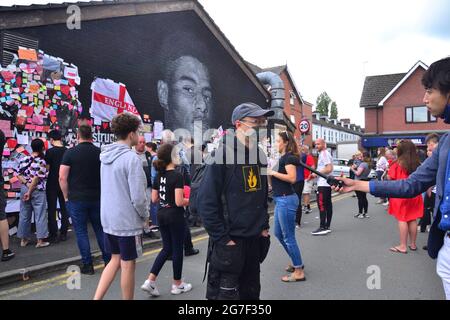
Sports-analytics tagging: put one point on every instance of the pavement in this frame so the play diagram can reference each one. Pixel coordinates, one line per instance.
(353, 262)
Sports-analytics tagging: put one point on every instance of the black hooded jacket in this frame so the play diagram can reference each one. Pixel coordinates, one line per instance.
(240, 186)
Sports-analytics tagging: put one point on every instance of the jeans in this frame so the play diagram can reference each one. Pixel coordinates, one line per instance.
(298, 187)
(363, 204)
(443, 266)
(172, 238)
(379, 175)
(81, 212)
(154, 213)
(54, 194)
(37, 205)
(284, 224)
(325, 207)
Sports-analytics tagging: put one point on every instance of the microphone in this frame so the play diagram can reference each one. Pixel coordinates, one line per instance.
(332, 181)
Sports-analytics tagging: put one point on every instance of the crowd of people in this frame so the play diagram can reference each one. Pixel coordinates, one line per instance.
(132, 187)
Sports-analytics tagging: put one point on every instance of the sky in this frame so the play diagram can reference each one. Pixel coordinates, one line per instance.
(331, 45)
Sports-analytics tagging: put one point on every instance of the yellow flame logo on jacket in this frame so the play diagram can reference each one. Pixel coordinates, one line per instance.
(252, 180)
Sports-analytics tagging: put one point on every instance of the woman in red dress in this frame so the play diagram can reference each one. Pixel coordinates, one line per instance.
(406, 211)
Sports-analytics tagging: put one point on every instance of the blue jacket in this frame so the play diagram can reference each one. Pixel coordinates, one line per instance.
(430, 173)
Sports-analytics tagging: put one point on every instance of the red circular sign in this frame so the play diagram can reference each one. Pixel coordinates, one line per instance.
(304, 126)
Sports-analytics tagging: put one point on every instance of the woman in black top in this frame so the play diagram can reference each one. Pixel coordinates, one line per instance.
(168, 189)
(286, 203)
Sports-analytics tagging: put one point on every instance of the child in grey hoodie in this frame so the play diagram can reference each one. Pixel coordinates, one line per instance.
(124, 204)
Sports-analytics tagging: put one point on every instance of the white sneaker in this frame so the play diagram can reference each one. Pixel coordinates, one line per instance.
(380, 201)
(386, 203)
(150, 288)
(183, 287)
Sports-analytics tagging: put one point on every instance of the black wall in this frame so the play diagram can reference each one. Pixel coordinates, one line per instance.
(126, 50)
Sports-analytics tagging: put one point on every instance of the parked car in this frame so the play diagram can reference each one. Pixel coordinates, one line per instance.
(373, 174)
(340, 166)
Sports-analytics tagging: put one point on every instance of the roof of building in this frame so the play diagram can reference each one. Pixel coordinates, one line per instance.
(377, 87)
(337, 127)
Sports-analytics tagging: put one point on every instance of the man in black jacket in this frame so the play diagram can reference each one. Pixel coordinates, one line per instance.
(232, 202)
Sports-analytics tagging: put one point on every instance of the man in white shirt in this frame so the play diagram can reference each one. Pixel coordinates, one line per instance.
(325, 166)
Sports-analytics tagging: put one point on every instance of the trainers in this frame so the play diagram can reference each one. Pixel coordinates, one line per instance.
(298, 226)
(320, 232)
(328, 230)
(380, 201)
(87, 269)
(8, 255)
(366, 215)
(183, 287)
(358, 215)
(386, 203)
(191, 252)
(150, 288)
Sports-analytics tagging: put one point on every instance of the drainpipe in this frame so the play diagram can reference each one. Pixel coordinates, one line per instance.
(276, 92)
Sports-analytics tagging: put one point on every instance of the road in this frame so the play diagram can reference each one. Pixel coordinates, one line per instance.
(337, 266)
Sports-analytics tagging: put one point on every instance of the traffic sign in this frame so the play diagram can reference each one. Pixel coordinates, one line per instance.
(304, 126)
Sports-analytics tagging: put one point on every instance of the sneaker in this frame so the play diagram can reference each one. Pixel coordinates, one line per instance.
(366, 215)
(87, 269)
(358, 215)
(320, 232)
(183, 287)
(328, 230)
(42, 244)
(297, 226)
(308, 211)
(386, 203)
(191, 252)
(8, 255)
(150, 288)
(380, 201)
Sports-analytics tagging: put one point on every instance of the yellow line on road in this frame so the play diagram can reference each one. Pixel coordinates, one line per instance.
(62, 279)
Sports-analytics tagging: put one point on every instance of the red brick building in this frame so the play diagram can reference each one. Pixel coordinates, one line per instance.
(394, 109)
(295, 108)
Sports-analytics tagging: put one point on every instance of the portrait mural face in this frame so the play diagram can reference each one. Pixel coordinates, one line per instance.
(186, 95)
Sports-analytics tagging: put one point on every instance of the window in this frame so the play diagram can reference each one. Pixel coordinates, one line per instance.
(418, 115)
(292, 97)
(292, 118)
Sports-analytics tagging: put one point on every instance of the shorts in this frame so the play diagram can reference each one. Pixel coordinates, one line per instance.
(308, 187)
(125, 246)
(2, 205)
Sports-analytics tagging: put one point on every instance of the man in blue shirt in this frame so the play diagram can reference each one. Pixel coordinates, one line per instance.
(434, 171)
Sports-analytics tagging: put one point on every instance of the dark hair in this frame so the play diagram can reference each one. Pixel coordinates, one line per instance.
(37, 145)
(152, 146)
(292, 146)
(407, 155)
(432, 137)
(164, 157)
(438, 76)
(123, 124)
(85, 132)
(55, 135)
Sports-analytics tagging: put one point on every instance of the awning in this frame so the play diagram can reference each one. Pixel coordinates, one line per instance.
(390, 141)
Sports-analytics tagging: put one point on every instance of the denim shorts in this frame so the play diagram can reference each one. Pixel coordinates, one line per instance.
(125, 246)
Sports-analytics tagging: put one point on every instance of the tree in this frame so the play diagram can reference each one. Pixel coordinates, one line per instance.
(322, 104)
(333, 110)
